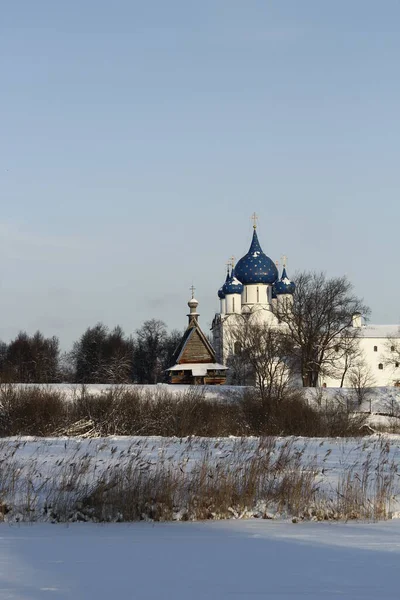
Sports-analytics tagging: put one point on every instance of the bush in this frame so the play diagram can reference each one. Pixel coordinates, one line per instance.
(41, 411)
(31, 410)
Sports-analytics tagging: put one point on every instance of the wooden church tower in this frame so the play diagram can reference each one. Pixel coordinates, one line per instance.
(194, 359)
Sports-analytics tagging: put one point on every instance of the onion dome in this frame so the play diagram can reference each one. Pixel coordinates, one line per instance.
(284, 285)
(193, 303)
(221, 293)
(255, 266)
(232, 285)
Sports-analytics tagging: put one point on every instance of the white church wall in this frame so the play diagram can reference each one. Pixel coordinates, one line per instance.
(375, 355)
(222, 303)
(233, 304)
(255, 294)
(284, 300)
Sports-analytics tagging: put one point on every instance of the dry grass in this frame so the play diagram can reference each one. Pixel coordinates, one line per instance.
(271, 476)
(367, 490)
(267, 478)
(126, 411)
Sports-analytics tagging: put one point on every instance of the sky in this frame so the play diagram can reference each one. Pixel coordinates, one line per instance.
(137, 139)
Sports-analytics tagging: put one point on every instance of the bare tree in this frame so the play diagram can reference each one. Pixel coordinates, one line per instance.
(239, 371)
(149, 350)
(347, 354)
(361, 380)
(392, 354)
(103, 356)
(318, 321)
(31, 359)
(264, 351)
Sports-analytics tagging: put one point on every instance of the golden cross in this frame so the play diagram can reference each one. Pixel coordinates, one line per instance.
(232, 261)
(254, 218)
(192, 289)
(284, 261)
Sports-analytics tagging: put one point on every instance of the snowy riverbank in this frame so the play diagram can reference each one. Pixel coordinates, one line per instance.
(133, 478)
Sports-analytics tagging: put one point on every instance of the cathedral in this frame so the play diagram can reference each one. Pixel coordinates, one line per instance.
(253, 288)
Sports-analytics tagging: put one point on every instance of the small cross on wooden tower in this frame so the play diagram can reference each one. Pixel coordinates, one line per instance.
(254, 218)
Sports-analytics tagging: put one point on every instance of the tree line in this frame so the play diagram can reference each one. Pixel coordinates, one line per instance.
(100, 355)
(317, 339)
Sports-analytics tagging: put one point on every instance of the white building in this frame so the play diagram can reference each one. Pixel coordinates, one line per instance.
(375, 353)
(253, 287)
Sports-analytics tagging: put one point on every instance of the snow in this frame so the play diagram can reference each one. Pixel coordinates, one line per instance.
(382, 404)
(198, 369)
(199, 561)
(380, 331)
(48, 462)
(73, 390)
(236, 281)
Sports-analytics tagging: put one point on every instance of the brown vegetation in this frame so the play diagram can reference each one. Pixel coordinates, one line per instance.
(261, 478)
(42, 411)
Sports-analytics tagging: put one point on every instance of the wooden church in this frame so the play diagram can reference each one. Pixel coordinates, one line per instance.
(194, 359)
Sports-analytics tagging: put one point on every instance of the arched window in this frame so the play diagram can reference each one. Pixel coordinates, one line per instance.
(392, 348)
(396, 364)
(375, 348)
(246, 293)
(258, 294)
(380, 366)
(336, 348)
(233, 304)
(237, 348)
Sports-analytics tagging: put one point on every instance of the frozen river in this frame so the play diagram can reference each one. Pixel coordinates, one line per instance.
(196, 561)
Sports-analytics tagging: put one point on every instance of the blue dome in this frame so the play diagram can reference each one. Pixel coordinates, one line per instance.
(255, 266)
(284, 285)
(232, 285)
(221, 293)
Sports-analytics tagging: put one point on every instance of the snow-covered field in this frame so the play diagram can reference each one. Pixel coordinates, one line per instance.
(37, 473)
(259, 553)
(200, 561)
(73, 390)
(380, 395)
(377, 399)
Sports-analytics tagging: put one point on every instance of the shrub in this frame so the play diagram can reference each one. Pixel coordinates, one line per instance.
(122, 410)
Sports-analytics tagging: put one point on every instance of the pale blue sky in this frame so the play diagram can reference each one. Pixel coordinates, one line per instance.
(137, 138)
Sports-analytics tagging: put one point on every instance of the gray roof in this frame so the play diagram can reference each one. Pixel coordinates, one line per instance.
(380, 331)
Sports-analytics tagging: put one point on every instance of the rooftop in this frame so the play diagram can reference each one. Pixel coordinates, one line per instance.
(380, 331)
